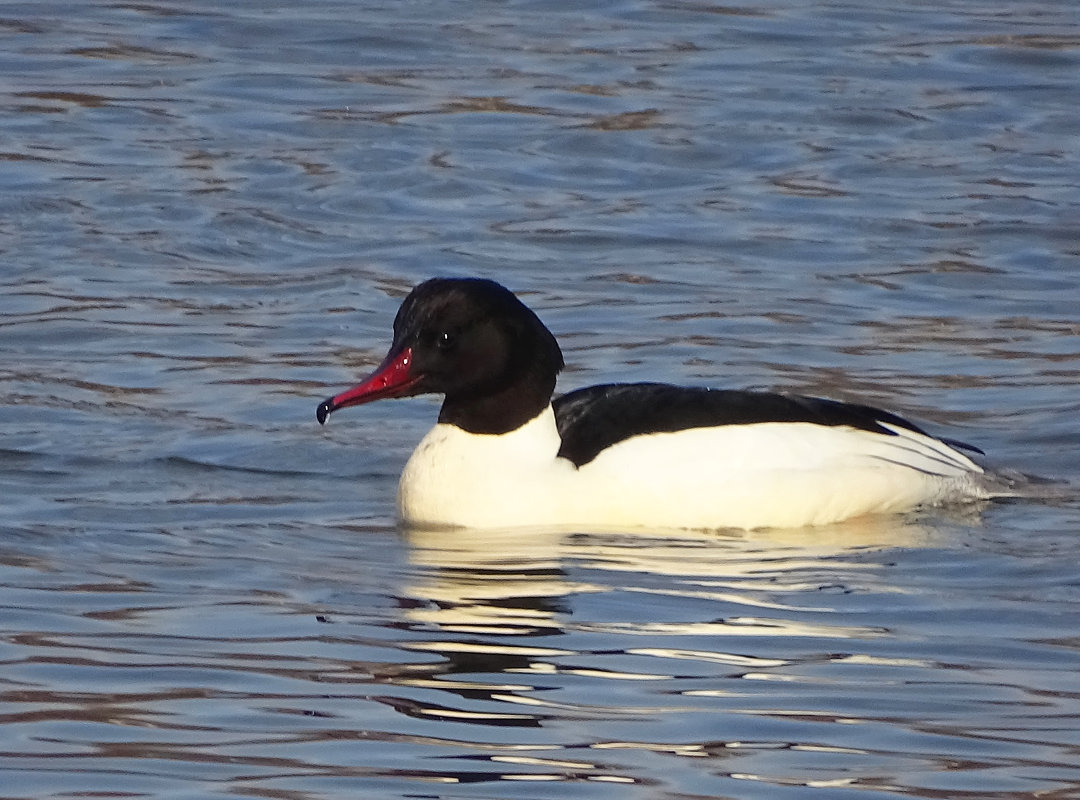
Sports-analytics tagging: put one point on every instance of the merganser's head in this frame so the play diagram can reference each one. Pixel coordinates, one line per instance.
(473, 341)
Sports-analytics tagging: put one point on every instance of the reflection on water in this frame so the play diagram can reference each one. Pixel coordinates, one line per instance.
(670, 661)
(484, 572)
(671, 611)
(748, 657)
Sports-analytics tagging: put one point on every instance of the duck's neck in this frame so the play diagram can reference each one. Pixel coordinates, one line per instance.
(501, 411)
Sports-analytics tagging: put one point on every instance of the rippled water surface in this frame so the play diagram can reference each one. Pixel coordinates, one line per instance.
(208, 215)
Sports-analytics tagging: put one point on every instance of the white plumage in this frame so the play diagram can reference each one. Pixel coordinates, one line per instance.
(740, 476)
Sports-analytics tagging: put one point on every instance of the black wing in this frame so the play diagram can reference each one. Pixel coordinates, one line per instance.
(596, 417)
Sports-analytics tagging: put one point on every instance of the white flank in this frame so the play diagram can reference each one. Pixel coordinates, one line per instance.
(740, 476)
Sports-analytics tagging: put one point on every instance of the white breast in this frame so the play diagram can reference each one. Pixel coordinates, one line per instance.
(461, 479)
(744, 476)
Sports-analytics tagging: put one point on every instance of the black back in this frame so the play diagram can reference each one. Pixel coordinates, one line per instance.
(594, 418)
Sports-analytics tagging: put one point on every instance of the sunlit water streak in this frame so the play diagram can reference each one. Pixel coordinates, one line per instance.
(208, 218)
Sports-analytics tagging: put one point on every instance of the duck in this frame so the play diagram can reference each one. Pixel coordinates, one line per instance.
(507, 452)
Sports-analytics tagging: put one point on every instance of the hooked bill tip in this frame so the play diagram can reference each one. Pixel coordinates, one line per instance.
(323, 411)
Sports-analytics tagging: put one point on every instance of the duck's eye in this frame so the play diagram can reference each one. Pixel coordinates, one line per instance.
(445, 340)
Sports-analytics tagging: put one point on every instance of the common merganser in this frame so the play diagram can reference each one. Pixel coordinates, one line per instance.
(505, 454)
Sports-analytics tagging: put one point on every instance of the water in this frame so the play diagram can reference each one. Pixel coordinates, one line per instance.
(208, 217)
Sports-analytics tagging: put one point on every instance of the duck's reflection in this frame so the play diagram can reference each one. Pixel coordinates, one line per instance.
(520, 582)
(489, 582)
(496, 606)
(520, 621)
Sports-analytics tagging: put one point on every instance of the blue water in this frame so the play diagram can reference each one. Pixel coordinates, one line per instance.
(208, 216)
